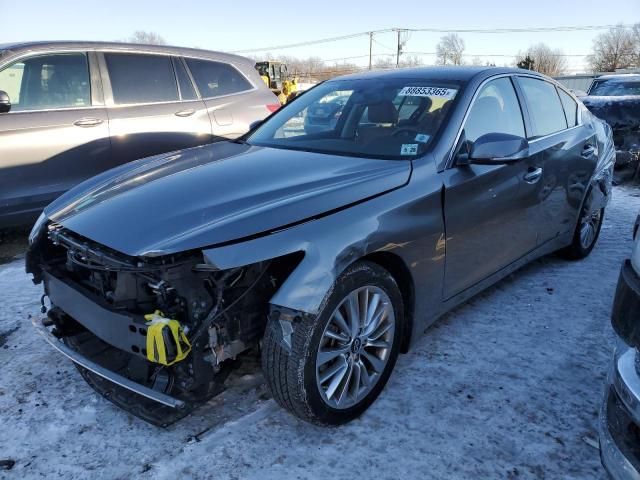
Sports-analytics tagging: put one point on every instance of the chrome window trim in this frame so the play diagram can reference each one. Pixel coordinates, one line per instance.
(46, 110)
(544, 137)
(449, 163)
(41, 53)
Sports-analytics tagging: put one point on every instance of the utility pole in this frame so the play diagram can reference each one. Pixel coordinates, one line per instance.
(399, 51)
(401, 43)
(370, 48)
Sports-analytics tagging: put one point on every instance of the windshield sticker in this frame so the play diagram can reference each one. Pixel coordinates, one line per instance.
(448, 93)
(409, 149)
(422, 138)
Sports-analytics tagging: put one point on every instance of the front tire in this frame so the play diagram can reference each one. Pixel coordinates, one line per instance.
(339, 361)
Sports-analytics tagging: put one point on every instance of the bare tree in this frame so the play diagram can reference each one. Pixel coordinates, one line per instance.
(410, 61)
(635, 31)
(150, 38)
(450, 49)
(616, 48)
(543, 59)
(382, 63)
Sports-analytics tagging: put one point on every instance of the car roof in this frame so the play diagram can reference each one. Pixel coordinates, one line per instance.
(620, 77)
(18, 47)
(455, 73)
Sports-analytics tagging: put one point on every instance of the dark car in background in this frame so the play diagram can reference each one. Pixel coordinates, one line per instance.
(620, 414)
(616, 100)
(330, 251)
(70, 110)
(324, 115)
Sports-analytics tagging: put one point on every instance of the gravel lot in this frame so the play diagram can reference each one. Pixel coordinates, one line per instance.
(507, 386)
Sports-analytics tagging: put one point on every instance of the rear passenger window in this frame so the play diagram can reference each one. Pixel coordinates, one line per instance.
(544, 106)
(570, 108)
(495, 110)
(214, 78)
(141, 78)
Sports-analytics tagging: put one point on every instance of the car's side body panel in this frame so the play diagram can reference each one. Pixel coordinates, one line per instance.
(411, 215)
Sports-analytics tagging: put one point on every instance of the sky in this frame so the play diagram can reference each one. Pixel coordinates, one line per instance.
(250, 24)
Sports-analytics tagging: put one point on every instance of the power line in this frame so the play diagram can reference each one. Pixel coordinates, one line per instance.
(437, 30)
(384, 46)
(520, 30)
(310, 42)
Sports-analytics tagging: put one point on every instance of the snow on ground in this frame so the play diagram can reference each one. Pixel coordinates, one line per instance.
(507, 386)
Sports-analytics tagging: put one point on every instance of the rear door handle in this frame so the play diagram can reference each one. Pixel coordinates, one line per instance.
(533, 175)
(88, 122)
(589, 150)
(185, 113)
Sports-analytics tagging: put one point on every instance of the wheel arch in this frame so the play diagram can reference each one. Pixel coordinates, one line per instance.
(401, 274)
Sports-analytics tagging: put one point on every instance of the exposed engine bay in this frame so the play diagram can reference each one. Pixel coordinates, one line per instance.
(172, 324)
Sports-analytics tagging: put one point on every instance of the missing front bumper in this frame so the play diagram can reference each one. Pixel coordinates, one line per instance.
(103, 372)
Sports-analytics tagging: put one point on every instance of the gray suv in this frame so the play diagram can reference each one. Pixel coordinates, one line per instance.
(69, 110)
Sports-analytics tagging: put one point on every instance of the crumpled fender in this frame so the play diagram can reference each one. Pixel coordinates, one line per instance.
(333, 242)
(601, 180)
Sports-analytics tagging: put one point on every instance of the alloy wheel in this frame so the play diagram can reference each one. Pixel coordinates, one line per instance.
(589, 228)
(355, 347)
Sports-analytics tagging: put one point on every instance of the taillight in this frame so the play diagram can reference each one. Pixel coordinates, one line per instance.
(272, 107)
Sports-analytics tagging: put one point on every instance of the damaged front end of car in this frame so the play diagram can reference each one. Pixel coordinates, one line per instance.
(157, 336)
(623, 116)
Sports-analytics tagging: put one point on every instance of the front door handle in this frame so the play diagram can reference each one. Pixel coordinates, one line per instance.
(589, 150)
(185, 113)
(533, 175)
(88, 122)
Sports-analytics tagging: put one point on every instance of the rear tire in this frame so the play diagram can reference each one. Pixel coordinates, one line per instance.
(586, 233)
(335, 368)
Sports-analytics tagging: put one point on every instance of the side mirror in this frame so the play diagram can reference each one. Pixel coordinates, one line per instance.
(5, 102)
(498, 149)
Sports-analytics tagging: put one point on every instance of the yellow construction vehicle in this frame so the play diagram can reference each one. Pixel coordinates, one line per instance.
(277, 78)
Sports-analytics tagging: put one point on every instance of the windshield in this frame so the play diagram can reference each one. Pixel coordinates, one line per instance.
(377, 118)
(615, 88)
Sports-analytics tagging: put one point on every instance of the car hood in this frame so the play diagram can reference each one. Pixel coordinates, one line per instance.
(618, 111)
(217, 194)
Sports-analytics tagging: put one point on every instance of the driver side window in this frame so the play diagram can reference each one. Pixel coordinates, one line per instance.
(48, 82)
(495, 110)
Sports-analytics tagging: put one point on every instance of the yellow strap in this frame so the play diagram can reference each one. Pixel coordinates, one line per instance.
(156, 348)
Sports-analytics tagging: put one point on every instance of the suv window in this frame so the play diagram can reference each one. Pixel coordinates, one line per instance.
(48, 82)
(570, 108)
(495, 110)
(214, 78)
(139, 78)
(544, 105)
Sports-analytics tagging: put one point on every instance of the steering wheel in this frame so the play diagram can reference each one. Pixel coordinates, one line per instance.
(404, 130)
